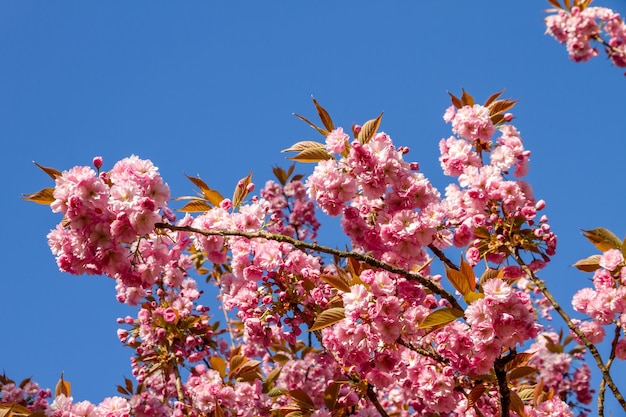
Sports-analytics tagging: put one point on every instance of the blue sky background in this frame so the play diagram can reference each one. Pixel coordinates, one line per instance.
(209, 88)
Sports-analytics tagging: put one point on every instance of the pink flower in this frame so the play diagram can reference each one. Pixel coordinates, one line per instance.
(473, 122)
(336, 141)
(611, 259)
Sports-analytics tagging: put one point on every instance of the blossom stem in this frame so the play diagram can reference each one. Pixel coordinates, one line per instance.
(606, 376)
(319, 248)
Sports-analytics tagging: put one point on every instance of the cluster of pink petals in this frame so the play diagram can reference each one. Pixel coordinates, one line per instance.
(578, 28)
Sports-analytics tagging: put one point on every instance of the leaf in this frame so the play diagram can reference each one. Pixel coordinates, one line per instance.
(63, 387)
(467, 99)
(312, 155)
(475, 394)
(302, 399)
(52, 173)
(235, 362)
(517, 404)
(520, 359)
(324, 116)
(307, 121)
(456, 102)
(280, 175)
(470, 297)
(589, 264)
(492, 98)
(603, 239)
(568, 5)
(368, 129)
(501, 106)
(212, 196)
(277, 392)
(44, 196)
(14, 410)
(521, 372)
(555, 3)
(468, 271)
(440, 317)
(489, 273)
(196, 206)
(336, 281)
(241, 190)
(330, 395)
(219, 364)
(218, 409)
(458, 280)
(308, 151)
(271, 377)
(328, 318)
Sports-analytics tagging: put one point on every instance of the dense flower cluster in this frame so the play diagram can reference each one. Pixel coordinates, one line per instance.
(578, 28)
(385, 335)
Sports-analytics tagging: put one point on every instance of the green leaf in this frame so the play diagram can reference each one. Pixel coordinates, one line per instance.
(440, 317)
(328, 318)
(603, 239)
(277, 392)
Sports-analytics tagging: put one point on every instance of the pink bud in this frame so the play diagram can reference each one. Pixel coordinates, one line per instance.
(508, 117)
(250, 187)
(97, 162)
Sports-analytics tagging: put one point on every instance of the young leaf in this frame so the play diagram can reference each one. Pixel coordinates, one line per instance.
(440, 317)
(328, 318)
(212, 196)
(458, 280)
(277, 392)
(517, 404)
(44, 196)
(280, 175)
(219, 364)
(330, 395)
(369, 128)
(307, 121)
(195, 206)
(603, 239)
(456, 102)
(63, 387)
(336, 281)
(493, 98)
(470, 297)
(302, 399)
(589, 264)
(520, 359)
(468, 271)
(475, 394)
(555, 3)
(521, 372)
(467, 99)
(52, 173)
(241, 190)
(324, 116)
(309, 151)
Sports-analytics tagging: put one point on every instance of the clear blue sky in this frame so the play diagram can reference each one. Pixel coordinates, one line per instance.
(209, 88)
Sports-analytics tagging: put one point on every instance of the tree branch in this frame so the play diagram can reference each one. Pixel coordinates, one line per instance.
(319, 248)
(592, 349)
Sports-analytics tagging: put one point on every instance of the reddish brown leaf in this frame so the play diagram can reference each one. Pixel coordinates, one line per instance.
(324, 116)
(307, 121)
(52, 173)
(44, 196)
(369, 128)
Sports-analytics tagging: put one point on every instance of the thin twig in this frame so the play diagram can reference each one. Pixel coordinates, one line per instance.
(442, 257)
(299, 244)
(592, 349)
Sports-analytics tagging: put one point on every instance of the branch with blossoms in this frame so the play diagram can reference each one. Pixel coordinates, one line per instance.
(372, 330)
(578, 25)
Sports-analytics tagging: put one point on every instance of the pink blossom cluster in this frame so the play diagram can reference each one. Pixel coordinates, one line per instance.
(605, 303)
(557, 371)
(577, 29)
(375, 346)
(27, 394)
(484, 199)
